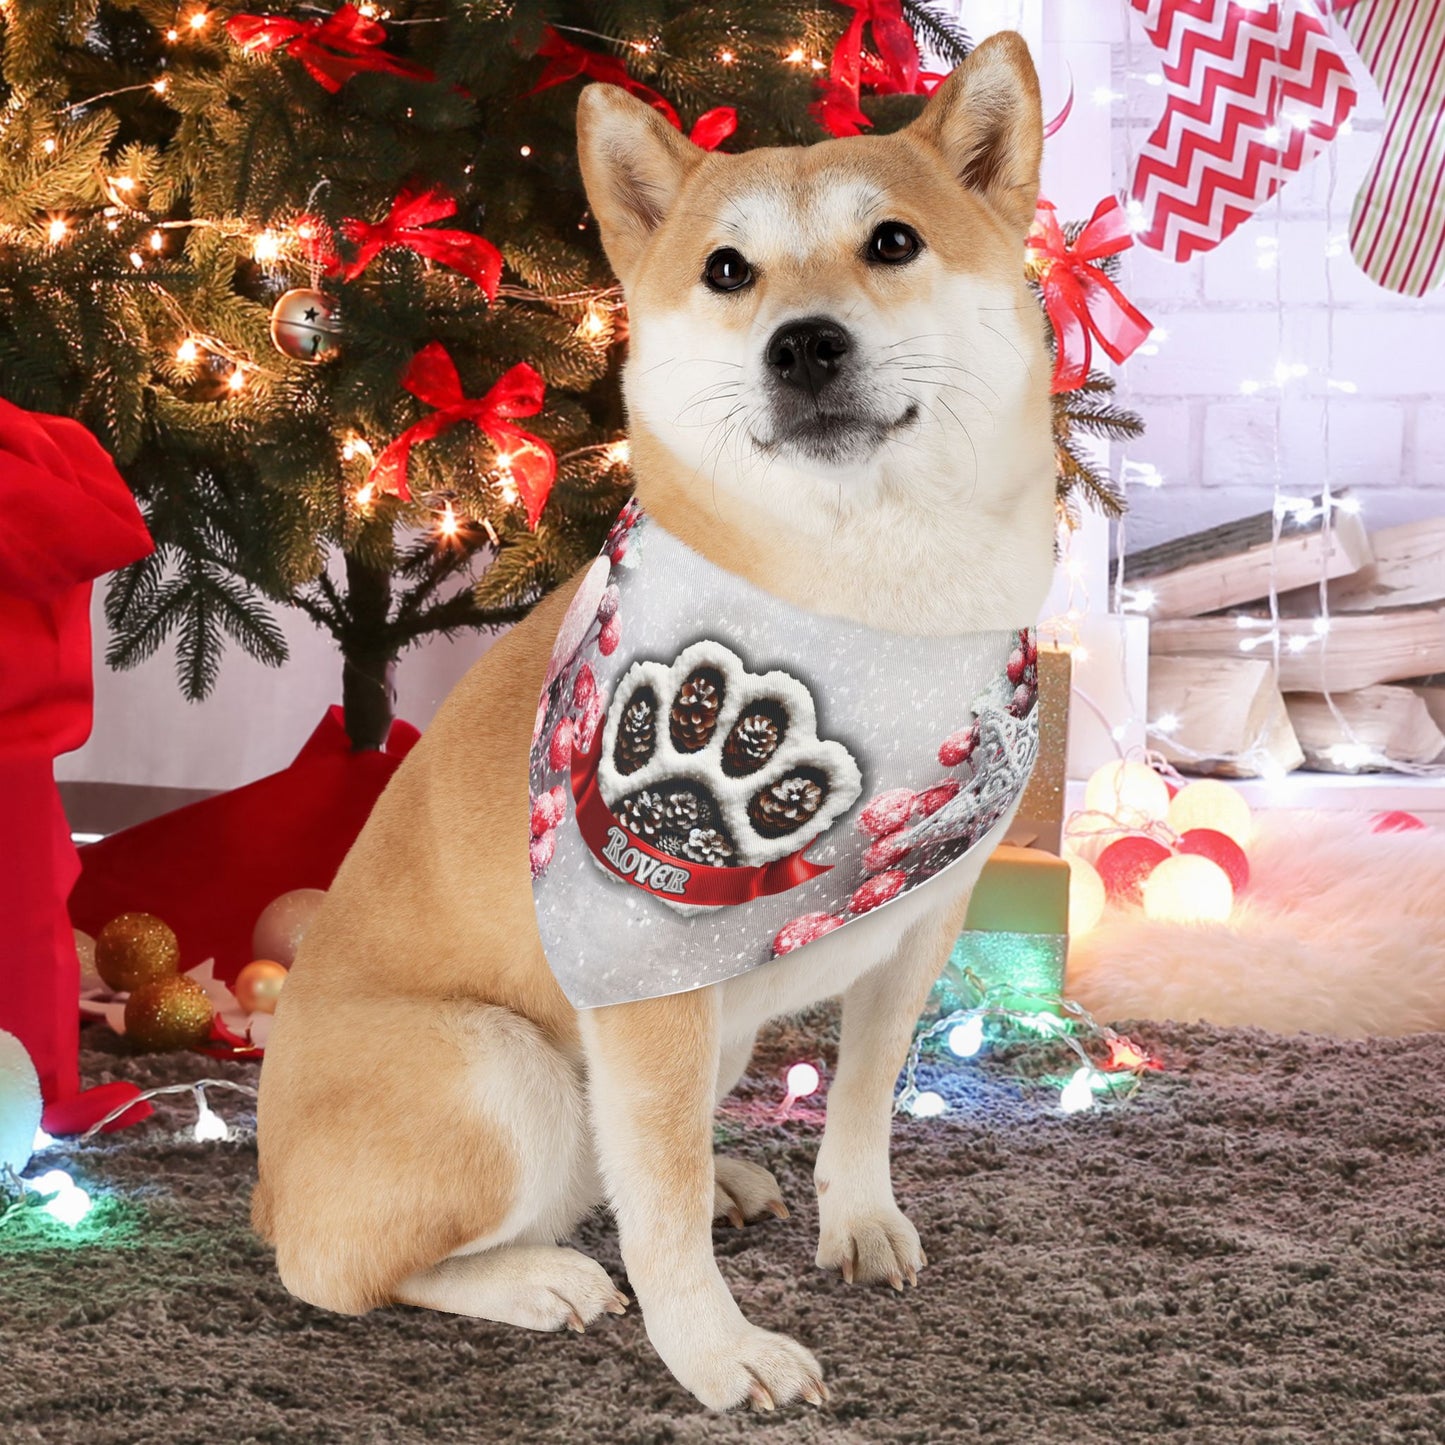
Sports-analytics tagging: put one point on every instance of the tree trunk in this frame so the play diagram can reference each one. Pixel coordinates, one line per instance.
(368, 675)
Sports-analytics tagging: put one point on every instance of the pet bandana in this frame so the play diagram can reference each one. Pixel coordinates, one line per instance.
(718, 778)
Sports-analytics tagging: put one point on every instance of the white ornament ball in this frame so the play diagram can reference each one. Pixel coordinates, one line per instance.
(1209, 803)
(282, 924)
(1086, 896)
(1132, 793)
(19, 1103)
(1188, 888)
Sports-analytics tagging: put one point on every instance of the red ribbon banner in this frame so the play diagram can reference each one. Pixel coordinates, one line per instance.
(893, 71)
(629, 858)
(432, 377)
(1083, 305)
(475, 258)
(332, 50)
(566, 60)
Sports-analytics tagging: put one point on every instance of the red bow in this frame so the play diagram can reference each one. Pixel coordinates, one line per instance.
(432, 376)
(567, 60)
(332, 50)
(1081, 301)
(893, 71)
(459, 250)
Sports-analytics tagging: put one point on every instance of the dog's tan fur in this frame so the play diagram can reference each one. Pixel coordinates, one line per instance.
(434, 1115)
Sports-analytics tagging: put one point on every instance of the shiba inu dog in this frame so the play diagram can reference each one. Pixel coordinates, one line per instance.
(838, 391)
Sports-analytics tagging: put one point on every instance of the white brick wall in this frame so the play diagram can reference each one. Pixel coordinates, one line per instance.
(1283, 286)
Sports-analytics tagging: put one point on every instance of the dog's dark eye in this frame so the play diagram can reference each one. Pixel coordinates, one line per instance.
(894, 243)
(727, 270)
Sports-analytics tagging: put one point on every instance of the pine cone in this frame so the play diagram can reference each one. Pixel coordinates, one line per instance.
(707, 846)
(641, 814)
(695, 710)
(754, 739)
(636, 733)
(789, 803)
(684, 809)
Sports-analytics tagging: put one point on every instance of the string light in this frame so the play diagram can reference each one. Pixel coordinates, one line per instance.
(526, 151)
(795, 56)
(48, 145)
(449, 525)
(726, 57)
(69, 1203)
(58, 230)
(618, 453)
(593, 323)
(198, 20)
(188, 351)
(237, 380)
(137, 260)
(266, 247)
(209, 1124)
(364, 495)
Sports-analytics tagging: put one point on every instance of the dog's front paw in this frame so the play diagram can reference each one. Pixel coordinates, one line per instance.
(749, 1365)
(744, 1191)
(870, 1245)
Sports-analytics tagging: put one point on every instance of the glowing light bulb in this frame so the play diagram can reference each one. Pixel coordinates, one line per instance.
(157, 241)
(173, 35)
(928, 1105)
(641, 47)
(209, 1124)
(123, 183)
(187, 351)
(237, 380)
(1086, 896)
(618, 452)
(137, 260)
(58, 230)
(526, 151)
(364, 495)
(593, 324)
(266, 247)
(966, 1039)
(795, 56)
(161, 86)
(802, 1080)
(817, 65)
(71, 1203)
(1078, 1094)
(1208, 803)
(198, 20)
(1131, 793)
(48, 145)
(1188, 888)
(726, 57)
(449, 525)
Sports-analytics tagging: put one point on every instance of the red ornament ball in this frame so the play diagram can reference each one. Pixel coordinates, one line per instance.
(1218, 848)
(1396, 822)
(1126, 863)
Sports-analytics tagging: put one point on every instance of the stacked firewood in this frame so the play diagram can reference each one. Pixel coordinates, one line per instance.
(1237, 688)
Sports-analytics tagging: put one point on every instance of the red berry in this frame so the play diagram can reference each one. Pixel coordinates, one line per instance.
(885, 852)
(619, 550)
(548, 810)
(930, 801)
(559, 752)
(607, 607)
(877, 890)
(1023, 700)
(609, 637)
(804, 929)
(1126, 863)
(542, 850)
(584, 688)
(887, 813)
(958, 747)
(1016, 664)
(587, 725)
(1218, 848)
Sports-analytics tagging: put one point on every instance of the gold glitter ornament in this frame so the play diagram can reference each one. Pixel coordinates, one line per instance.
(168, 1013)
(136, 948)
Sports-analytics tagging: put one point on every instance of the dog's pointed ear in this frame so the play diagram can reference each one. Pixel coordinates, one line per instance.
(987, 122)
(633, 165)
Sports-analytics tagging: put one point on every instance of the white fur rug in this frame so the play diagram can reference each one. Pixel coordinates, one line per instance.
(1341, 931)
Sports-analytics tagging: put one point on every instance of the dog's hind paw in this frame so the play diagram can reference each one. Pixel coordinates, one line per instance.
(744, 1191)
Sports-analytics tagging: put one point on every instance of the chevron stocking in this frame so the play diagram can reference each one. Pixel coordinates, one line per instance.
(1397, 232)
(1256, 92)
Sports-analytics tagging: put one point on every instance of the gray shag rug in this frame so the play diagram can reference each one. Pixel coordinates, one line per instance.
(1250, 1249)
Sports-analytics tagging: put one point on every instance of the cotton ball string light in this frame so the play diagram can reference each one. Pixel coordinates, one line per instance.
(1133, 794)
(966, 1039)
(1086, 896)
(1219, 848)
(928, 1105)
(19, 1104)
(1086, 837)
(1187, 888)
(68, 1203)
(283, 923)
(1126, 863)
(802, 1079)
(1209, 803)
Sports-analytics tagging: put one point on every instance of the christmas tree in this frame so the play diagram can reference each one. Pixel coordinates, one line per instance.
(323, 280)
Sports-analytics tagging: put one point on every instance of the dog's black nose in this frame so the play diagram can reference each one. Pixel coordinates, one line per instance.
(809, 353)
